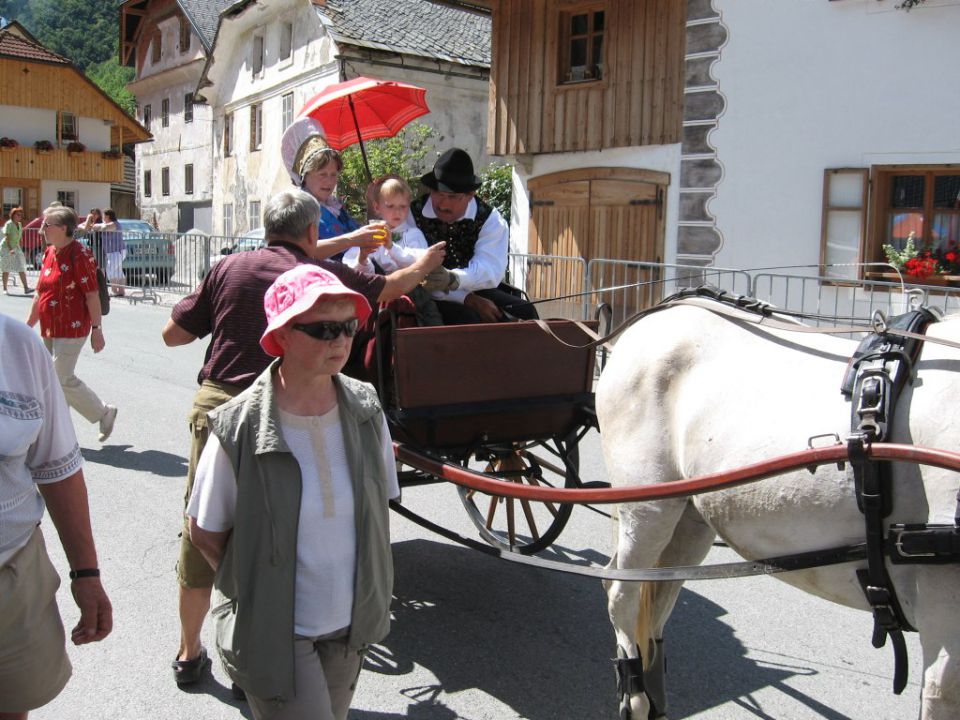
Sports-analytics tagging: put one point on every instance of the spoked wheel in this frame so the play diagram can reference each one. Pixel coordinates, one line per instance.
(524, 526)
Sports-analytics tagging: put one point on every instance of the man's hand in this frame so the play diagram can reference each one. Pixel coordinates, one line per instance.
(96, 612)
(402, 281)
(440, 280)
(370, 237)
(433, 257)
(486, 309)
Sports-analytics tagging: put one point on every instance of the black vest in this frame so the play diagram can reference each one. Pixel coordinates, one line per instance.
(461, 236)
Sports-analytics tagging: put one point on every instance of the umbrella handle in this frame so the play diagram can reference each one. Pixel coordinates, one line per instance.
(363, 150)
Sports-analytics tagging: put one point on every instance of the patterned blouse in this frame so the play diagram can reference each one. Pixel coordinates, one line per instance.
(67, 275)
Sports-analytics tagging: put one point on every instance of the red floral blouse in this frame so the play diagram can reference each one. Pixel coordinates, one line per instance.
(66, 277)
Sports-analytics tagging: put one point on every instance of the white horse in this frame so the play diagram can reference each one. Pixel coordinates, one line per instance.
(687, 393)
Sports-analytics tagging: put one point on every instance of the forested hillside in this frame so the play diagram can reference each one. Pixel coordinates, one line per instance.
(86, 31)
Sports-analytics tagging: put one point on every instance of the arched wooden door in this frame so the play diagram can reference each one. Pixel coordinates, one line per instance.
(595, 214)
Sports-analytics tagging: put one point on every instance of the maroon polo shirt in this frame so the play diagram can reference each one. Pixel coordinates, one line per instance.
(228, 306)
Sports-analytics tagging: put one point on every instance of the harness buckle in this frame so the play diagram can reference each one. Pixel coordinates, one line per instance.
(898, 538)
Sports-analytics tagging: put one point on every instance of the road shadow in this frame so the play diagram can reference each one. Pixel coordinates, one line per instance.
(124, 457)
(540, 642)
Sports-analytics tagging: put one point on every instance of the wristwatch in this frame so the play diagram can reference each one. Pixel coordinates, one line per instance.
(96, 327)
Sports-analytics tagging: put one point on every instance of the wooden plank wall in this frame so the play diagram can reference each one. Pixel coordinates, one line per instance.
(26, 163)
(60, 87)
(638, 102)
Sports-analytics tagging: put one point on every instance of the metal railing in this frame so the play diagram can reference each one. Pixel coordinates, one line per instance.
(558, 284)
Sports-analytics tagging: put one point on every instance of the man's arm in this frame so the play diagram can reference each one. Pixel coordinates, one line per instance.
(174, 335)
(406, 279)
(210, 544)
(66, 502)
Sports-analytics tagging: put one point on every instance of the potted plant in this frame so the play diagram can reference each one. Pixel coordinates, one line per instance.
(935, 267)
(76, 147)
(43, 146)
(110, 154)
(8, 143)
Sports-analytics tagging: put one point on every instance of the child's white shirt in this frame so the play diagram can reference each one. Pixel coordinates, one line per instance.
(404, 251)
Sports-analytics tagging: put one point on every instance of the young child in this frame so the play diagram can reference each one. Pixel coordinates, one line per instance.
(402, 246)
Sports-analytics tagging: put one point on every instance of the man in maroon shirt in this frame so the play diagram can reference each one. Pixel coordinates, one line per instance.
(228, 306)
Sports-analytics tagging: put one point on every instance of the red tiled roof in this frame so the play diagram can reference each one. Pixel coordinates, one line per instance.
(15, 46)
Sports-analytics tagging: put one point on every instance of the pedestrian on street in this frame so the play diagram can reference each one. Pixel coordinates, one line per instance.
(228, 306)
(67, 305)
(290, 507)
(42, 467)
(12, 259)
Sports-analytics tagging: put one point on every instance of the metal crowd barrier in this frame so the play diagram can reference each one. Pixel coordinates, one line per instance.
(557, 284)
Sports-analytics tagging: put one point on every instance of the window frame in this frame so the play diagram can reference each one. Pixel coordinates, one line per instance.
(256, 127)
(156, 48)
(165, 181)
(148, 183)
(185, 34)
(254, 215)
(565, 16)
(188, 179)
(286, 113)
(67, 198)
(226, 218)
(286, 42)
(257, 55)
(228, 134)
(62, 134)
(188, 108)
(165, 112)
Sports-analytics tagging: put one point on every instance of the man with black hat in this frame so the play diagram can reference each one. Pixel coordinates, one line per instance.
(477, 239)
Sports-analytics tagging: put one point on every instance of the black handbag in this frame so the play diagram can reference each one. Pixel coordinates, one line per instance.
(104, 289)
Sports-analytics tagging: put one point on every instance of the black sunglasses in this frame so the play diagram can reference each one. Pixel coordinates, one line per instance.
(329, 329)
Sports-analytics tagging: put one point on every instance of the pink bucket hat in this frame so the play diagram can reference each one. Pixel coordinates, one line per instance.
(295, 292)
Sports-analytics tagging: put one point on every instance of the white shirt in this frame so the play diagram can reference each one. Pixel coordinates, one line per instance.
(408, 245)
(38, 444)
(326, 532)
(488, 266)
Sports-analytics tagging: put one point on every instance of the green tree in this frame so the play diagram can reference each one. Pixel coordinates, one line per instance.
(405, 154)
(112, 78)
(497, 187)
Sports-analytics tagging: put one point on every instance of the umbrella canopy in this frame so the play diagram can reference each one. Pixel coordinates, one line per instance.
(364, 109)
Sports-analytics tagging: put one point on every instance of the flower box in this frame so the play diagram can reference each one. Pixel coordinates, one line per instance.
(936, 280)
(7, 144)
(44, 147)
(76, 147)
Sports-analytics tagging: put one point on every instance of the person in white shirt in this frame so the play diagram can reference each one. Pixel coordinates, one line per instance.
(42, 468)
(477, 243)
(403, 246)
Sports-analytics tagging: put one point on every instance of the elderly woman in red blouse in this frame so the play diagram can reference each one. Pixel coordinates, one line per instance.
(67, 305)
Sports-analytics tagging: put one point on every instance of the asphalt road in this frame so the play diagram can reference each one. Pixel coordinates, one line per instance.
(473, 637)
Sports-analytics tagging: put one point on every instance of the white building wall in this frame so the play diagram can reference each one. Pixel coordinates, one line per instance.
(27, 125)
(87, 195)
(179, 143)
(811, 85)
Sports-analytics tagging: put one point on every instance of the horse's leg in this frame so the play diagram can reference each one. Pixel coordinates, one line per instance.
(938, 596)
(643, 532)
(691, 541)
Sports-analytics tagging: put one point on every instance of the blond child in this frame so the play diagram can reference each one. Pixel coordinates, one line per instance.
(402, 247)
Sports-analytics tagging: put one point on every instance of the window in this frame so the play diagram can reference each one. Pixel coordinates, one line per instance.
(256, 126)
(165, 112)
(228, 219)
(286, 40)
(287, 116)
(147, 183)
(188, 179)
(918, 202)
(155, 48)
(256, 59)
(68, 198)
(228, 135)
(12, 197)
(581, 45)
(184, 35)
(147, 116)
(188, 108)
(165, 181)
(253, 215)
(68, 126)
(865, 209)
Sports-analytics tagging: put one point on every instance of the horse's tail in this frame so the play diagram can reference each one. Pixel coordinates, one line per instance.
(644, 632)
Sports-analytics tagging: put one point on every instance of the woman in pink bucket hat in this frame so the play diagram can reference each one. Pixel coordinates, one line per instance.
(290, 508)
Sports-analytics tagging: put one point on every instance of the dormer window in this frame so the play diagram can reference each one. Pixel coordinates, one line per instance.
(184, 35)
(286, 40)
(155, 49)
(581, 45)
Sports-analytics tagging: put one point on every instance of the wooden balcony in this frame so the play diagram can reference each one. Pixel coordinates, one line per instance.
(24, 162)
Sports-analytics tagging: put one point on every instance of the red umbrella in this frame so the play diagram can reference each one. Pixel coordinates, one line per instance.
(364, 109)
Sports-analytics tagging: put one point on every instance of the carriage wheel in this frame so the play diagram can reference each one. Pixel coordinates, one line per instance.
(522, 525)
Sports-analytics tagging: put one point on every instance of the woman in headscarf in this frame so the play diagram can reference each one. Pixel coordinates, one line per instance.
(315, 167)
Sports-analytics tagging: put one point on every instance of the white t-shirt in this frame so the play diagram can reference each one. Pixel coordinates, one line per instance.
(38, 444)
(326, 531)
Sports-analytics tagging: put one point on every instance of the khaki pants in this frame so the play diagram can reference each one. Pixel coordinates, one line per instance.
(325, 678)
(33, 657)
(66, 352)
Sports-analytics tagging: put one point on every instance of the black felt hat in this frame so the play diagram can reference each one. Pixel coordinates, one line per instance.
(452, 172)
